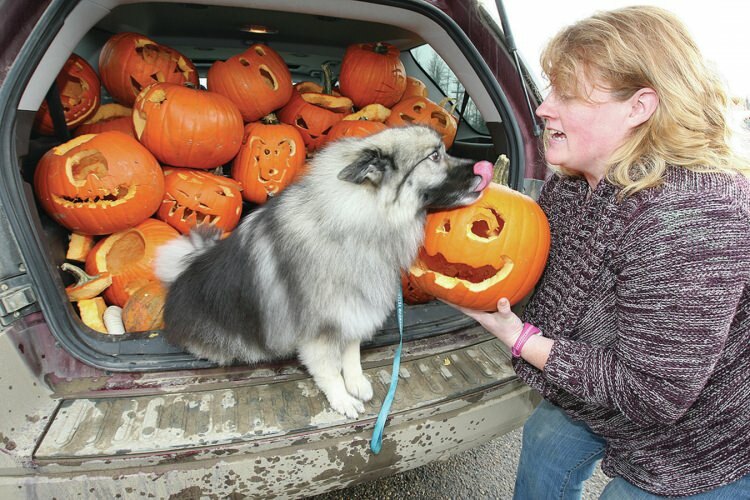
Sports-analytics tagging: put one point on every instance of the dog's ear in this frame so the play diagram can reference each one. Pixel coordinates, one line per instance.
(370, 166)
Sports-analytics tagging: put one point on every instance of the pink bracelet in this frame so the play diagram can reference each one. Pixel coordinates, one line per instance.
(527, 332)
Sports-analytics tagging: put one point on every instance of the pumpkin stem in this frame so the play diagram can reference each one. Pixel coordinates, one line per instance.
(81, 276)
(447, 100)
(380, 48)
(327, 79)
(270, 119)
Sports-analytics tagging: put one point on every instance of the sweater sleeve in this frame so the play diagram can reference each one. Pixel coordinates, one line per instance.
(682, 266)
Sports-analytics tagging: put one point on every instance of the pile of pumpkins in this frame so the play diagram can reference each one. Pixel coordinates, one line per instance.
(147, 167)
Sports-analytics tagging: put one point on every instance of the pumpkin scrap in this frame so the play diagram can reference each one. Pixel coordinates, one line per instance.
(92, 313)
(371, 112)
(144, 310)
(86, 286)
(79, 246)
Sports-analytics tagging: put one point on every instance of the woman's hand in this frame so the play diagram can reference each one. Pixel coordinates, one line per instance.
(503, 323)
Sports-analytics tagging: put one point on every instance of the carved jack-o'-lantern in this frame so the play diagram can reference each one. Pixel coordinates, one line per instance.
(474, 255)
(185, 127)
(314, 109)
(128, 256)
(80, 95)
(130, 62)
(99, 183)
(372, 73)
(270, 157)
(258, 81)
(195, 197)
(422, 110)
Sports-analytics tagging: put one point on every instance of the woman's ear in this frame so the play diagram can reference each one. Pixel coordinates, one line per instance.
(644, 103)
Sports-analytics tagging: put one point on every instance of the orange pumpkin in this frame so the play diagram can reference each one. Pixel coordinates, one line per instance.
(110, 116)
(80, 95)
(474, 255)
(414, 88)
(258, 81)
(195, 197)
(144, 310)
(314, 109)
(186, 127)
(130, 62)
(128, 256)
(372, 73)
(422, 110)
(99, 183)
(270, 156)
(355, 128)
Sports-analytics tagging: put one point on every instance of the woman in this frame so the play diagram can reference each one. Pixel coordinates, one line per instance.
(644, 307)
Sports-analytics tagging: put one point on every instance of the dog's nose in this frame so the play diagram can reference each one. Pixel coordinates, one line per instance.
(484, 170)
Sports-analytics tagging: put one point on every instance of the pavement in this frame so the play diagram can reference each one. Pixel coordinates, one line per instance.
(485, 472)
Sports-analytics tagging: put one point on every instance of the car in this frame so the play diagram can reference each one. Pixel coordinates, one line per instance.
(103, 415)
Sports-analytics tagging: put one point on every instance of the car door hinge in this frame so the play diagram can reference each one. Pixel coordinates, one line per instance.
(17, 299)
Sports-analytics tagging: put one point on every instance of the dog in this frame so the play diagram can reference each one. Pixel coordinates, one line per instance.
(315, 271)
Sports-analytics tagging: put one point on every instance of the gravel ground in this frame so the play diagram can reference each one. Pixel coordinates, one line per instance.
(485, 472)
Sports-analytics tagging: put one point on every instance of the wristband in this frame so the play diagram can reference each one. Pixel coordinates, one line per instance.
(527, 332)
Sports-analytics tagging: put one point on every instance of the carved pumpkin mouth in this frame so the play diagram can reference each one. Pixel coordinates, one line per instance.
(190, 215)
(103, 198)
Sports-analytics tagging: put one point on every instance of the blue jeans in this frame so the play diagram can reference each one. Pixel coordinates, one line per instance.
(559, 454)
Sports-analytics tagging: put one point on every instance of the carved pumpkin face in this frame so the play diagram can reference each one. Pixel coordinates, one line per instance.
(99, 183)
(474, 255)
(194, 197)
(130, 62)
(185, 127)
(258, 81)
(80, 95)
(422, 110)
(270, 157)
(128, 256)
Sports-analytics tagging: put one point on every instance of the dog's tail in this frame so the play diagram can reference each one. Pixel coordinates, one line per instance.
(174, 257)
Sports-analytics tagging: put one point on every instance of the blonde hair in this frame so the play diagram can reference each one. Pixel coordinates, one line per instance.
(647, 47)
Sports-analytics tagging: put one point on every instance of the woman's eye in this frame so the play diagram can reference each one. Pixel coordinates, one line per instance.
(435, 156)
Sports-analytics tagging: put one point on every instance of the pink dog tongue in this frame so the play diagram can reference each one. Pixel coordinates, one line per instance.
(484, 170)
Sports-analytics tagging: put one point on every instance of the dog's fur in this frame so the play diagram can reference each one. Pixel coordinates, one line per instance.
(315, 271)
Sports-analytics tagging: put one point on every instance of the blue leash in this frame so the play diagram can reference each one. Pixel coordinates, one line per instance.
(377, 433)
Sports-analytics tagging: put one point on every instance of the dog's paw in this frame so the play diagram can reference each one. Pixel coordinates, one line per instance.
(359, 387)
(347, 405)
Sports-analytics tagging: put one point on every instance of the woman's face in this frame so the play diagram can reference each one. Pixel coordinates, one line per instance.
(583, 133)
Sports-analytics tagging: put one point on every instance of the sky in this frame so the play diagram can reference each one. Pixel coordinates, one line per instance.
(721, 28)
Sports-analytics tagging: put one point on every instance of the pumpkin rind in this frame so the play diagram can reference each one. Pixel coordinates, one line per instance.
(99, 183)
(130, 62)
(496, 247)
(128, 256)
(186, 127)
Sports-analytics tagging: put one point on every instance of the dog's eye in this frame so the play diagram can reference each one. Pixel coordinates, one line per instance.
(435, 156)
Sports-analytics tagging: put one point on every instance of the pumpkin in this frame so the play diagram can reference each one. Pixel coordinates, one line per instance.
(413, 295)
(313, 110)
(355, 128)
(187, 127)
(270, 156)
(130, 62)
(474, 255)
(128, 256)
(195, 197)
(415, 88)
(258, 81)
(372, 73)
(110, 116)
(99, 183)
(422, 110)
(144, 310)
(80, 95)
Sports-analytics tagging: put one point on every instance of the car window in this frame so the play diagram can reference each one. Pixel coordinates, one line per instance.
(442, 76)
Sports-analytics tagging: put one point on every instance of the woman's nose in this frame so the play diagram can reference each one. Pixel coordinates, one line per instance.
(544, 109)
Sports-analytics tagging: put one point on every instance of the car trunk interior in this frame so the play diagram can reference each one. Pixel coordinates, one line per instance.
(306, 35)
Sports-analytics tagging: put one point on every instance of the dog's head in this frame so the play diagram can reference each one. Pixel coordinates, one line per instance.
(409, 166)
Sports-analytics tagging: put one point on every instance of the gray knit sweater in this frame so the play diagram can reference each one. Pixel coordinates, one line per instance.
(648, 301)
